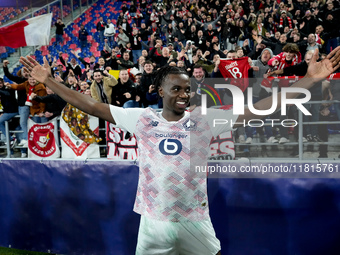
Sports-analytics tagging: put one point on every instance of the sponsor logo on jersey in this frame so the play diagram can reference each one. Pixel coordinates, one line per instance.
(170, 147)
(174, 135)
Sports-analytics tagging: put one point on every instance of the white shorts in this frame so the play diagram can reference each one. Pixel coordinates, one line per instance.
(174, 238)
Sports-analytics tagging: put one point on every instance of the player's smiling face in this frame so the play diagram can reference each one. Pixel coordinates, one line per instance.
(175, 92)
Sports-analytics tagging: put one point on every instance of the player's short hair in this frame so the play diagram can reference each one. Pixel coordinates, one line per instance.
(163, 72)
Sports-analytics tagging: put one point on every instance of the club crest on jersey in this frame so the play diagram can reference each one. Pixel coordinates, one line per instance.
(190, 125)
(154, 123)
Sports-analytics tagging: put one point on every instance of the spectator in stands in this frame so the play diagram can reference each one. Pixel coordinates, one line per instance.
(259, 69)
(155, 31)
(109, 32)
(198, 85)
(208, 22)
(257, 25)
(122, 38)
(145, 54)
(58, 70)
(101, 28)
(112, 61)
(24, 110)
(180, 33)
(309, 45)
(120, 18)
(300, 69)
(331, 25)
(289, 57)
(128, 49)
(210, 33)
(9, 109)
(138, 78)
(125, 26)
(125, 62)
(160, 60)
(100, 65)
(72, 65)
(101, 87)
(59, 31)
(140, 64)
(285, 21)
(144, 33)
(154, 17)
(146, 81)
(83, 86)
(54, 104)
(275, 47)
(270, 25)
(169, 32)
(32, 87)
(308, 24)
(136, 45)
(200, 41)
(91, 65)
(241, 32)
(124, 93)
(72, 81)
(83, 37)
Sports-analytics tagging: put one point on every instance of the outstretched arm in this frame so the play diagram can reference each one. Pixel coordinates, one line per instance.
(316, 72)
(79, 100)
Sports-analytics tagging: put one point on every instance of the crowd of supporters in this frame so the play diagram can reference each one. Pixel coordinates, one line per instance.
(194, 35)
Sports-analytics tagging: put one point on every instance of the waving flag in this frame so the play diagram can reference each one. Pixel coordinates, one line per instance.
(30, 32)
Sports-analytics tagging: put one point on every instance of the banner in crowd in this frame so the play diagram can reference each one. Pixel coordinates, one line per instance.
(42, 139)
(120, 143)
(73, 146)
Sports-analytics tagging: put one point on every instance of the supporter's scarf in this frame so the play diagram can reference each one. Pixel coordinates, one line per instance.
(289, 22)
(29, 96)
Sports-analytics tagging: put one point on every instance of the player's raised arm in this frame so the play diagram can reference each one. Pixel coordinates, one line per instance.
(79, 100)
(317, 71)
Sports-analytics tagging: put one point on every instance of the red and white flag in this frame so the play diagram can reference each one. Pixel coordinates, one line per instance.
(29, 32)
(42, 139)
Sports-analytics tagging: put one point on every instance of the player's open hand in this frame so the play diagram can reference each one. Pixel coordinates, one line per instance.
(37, 71)
(321, 70)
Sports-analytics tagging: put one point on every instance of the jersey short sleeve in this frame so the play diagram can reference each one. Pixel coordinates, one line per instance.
(126, 118)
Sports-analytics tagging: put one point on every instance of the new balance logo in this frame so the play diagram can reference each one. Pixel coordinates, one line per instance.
(154, 123)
